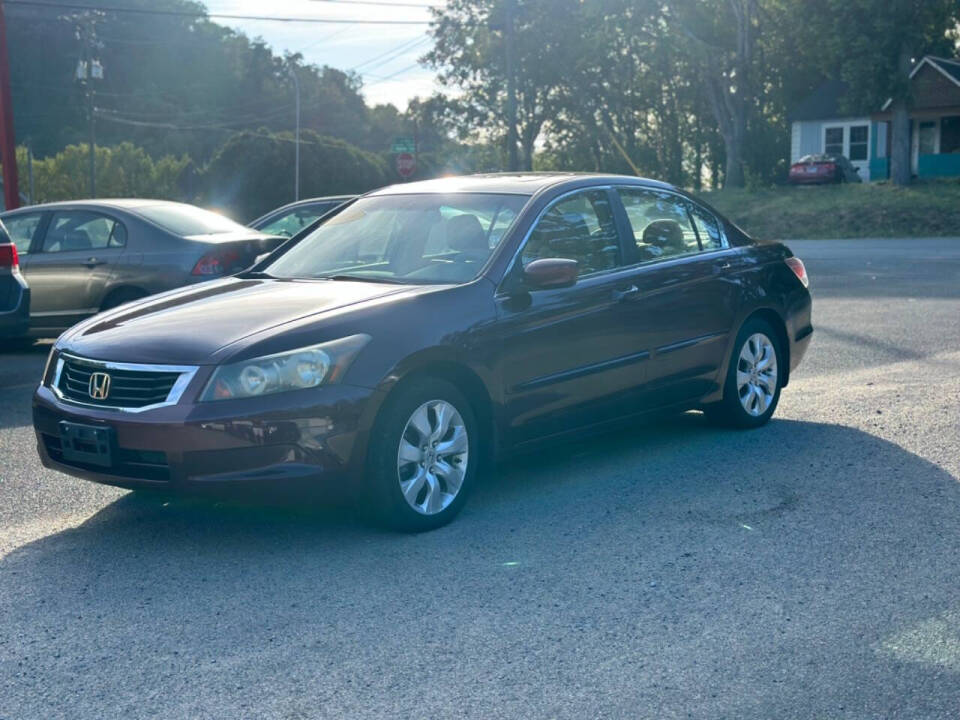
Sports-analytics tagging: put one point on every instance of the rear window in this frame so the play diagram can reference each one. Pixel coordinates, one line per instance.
(189, 220)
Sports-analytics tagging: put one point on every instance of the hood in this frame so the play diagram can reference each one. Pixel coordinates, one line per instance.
(189, 325)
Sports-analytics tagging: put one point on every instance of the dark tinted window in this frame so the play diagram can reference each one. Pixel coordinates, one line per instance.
(579, 227)
(21, 229)
(72, 230)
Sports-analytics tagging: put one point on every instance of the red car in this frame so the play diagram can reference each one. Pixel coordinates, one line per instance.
(822, 169)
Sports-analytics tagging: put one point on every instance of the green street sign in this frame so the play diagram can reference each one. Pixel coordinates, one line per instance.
(403, 145)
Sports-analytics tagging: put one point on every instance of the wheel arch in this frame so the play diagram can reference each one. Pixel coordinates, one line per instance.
(776, 321)
(458, 374)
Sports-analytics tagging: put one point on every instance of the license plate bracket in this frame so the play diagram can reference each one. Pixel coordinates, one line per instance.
(90, 444)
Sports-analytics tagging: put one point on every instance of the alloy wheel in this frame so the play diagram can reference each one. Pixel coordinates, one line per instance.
(432, 457)
(757, 374)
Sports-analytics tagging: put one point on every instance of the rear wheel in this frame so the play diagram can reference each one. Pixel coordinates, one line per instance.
(424, 456)
(754, 378)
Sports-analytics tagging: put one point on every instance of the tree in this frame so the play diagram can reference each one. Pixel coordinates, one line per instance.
(875, 44)
(472, 41)
(253, 171)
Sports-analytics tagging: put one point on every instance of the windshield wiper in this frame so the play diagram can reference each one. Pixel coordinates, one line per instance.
(361, 278)
(255, 274)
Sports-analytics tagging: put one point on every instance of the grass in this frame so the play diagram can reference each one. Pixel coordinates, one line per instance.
(844, 211)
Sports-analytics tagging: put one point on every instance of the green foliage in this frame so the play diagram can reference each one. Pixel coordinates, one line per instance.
(122, 171)
(253, 172)
(844, 211)
(172, 84)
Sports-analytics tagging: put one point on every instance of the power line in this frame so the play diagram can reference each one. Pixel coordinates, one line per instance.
(381, 3)
(170, 126)
(393, 53)
(393, 75)
(206, 16)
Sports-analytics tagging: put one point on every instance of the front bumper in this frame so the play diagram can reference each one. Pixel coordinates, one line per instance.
(290, 440)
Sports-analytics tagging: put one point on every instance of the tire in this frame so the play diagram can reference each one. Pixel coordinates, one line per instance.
(750, 394)
(412, 484)
(120, 297)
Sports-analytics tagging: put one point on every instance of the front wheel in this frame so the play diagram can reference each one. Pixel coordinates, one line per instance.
(754, 378)
(423, 456)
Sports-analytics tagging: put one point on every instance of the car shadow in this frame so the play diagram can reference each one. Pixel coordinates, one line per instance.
(674, 563)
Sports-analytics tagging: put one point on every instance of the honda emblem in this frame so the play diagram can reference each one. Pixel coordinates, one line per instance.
(99, 386)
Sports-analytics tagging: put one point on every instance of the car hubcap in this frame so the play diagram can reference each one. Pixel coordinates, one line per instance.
(757, 374)
(432, 459)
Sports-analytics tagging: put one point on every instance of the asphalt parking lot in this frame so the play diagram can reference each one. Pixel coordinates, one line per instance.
(805, 570)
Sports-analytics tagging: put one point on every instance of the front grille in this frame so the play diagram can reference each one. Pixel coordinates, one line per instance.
(127, 388)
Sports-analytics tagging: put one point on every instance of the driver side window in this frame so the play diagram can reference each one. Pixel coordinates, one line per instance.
(578, 227)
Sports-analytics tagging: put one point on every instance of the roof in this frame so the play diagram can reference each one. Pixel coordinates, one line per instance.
(116, 203)
(826, 102)
(506, 183)
(948, 67)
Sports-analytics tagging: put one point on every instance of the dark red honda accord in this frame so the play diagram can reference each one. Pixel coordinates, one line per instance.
(424, 329)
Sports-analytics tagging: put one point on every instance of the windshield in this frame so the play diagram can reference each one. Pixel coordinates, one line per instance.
(404, 238)
(189, 220)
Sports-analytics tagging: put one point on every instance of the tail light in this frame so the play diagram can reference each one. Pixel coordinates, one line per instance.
(217, 262)
(9, 257)
(796, 264)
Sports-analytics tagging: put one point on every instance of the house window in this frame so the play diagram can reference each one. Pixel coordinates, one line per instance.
(833, 141)
(950, 134)
(858, 142)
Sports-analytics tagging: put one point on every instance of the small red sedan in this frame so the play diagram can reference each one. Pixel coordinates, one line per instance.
(822, 169)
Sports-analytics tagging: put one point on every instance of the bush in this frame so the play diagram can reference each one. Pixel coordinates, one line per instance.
(253, 172)
(124, 170)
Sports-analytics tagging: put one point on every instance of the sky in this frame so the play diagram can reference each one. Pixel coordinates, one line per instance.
(385, 55)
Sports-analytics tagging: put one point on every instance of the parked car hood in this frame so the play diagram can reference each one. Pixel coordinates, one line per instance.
(189, 325)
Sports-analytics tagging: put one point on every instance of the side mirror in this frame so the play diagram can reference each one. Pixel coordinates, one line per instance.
(551, 273)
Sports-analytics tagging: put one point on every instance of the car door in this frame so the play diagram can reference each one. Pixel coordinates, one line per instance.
(565, 358)
(687, 292)
(71, 266)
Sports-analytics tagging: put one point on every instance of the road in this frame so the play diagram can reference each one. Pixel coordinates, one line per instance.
(806, 570)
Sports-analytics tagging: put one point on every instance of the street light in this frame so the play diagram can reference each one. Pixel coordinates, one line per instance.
(296, 162)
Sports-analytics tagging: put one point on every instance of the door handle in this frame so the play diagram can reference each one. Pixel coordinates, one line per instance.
(626, 294)
(722, 266)
(93, 262)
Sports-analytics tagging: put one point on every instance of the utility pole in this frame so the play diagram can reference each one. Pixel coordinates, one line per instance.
(513, 162)
(8, 143)
(296, 161)
(88, 70)
(32, 198)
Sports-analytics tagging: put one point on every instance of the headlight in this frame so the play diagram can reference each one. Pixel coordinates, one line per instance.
(305, 367)
(45, 378)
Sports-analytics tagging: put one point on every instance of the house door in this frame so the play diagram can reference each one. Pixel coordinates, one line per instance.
(924, 143)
